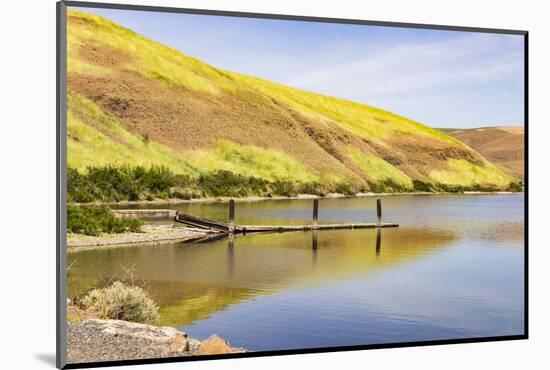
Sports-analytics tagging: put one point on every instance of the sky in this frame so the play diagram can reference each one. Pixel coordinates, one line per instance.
(439, 78)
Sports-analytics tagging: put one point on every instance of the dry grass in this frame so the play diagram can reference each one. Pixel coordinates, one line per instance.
(122, 302)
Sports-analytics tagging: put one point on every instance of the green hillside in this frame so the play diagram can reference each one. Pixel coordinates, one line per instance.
(133, 102)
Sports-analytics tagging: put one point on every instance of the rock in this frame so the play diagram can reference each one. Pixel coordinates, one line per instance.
(179, 343)
(160, 335)
(108, 340)
(334, 195)
(214, 346)
(112, 340)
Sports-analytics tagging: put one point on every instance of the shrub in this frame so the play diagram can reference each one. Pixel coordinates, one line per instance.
(449, 188)
(516, 187)
(183, 193)
(344, 188)
(387, 186)
(93, 220)
(311, 188)
(419, 185)
(112, 183)
(222, 183)
(229, 184)
(145, 138)
(122, 302)
(284, 188)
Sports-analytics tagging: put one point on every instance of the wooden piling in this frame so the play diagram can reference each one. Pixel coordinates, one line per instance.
(223, 229)
(231, 224)
(378, 212)
(315, 212)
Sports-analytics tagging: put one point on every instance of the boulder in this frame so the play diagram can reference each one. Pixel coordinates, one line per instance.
(178, 343)
(215, 346)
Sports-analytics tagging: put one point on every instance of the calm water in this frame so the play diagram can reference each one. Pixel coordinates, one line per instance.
(453, 269)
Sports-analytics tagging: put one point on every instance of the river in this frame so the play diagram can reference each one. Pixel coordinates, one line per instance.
(453, 269)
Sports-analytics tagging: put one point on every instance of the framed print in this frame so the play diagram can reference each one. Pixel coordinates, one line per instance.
(237, 184)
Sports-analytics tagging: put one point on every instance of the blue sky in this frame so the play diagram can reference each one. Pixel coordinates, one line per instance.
(439, 78)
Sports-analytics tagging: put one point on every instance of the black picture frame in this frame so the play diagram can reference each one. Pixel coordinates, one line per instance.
(61, 188)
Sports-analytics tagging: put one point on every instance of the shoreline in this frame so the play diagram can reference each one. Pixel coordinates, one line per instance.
(152, 234)
(255, 198)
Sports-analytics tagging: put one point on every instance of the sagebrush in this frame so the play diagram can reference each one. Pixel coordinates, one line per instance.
(119, 301)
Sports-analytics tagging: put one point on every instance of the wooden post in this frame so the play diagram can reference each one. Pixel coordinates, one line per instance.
(378, 212)
(231, 216)
(315, 212)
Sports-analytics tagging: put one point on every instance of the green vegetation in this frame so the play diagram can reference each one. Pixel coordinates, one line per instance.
(122, 302)
(249, 160)
(382, 174)
(453, 188)
(388, 185)
(96, 220)
(113, 184)
(126, 183)
(462, 172)
(516, 187)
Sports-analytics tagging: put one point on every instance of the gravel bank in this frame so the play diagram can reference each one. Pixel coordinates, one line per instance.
(150, 234)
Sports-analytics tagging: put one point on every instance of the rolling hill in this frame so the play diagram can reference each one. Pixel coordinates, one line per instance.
(502, 145)
(132, 101)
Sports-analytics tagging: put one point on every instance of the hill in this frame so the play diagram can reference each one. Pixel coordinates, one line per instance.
(502, 145)
(132, 101)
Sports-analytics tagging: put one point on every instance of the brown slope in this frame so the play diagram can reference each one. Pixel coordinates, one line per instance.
(501, 145)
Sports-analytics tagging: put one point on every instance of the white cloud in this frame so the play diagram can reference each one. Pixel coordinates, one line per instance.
(469, 59)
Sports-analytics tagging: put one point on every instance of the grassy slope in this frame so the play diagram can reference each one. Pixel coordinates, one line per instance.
(503, 146)
(134, 101)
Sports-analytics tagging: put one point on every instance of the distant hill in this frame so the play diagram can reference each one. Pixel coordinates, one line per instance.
(502, 145)
(134, 101)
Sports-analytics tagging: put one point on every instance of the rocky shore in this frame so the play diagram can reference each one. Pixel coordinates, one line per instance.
(94, 340)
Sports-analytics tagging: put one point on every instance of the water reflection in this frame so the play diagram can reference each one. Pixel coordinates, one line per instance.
(440, 251)
(256, 263)
(378, 240)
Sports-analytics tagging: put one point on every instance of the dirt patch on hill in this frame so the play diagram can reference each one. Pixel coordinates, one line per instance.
(103, 55)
